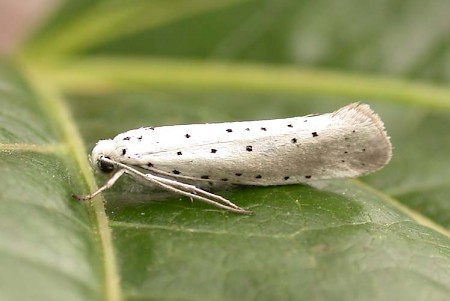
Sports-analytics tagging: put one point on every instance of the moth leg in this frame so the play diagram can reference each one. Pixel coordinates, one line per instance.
(191, 188)
(197, 191)
(200, 194)
(180, 188)
(107, 185)
(192, 192)
(192, 195)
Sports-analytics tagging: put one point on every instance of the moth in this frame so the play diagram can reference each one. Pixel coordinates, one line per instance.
(349, 142)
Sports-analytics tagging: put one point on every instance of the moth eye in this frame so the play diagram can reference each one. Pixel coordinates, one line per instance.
(105, 167)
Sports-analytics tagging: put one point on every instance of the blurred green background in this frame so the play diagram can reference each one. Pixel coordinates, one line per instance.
(74, 72)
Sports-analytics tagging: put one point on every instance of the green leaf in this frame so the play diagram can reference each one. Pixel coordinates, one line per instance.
(339, 239)
(95, 69)
(49, 249)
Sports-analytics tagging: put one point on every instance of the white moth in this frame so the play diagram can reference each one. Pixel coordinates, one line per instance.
(347, 143)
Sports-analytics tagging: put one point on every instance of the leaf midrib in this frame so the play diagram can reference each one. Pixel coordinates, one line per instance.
(54, 106)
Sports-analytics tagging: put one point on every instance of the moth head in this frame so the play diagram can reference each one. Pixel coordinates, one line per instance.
(103, 149)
